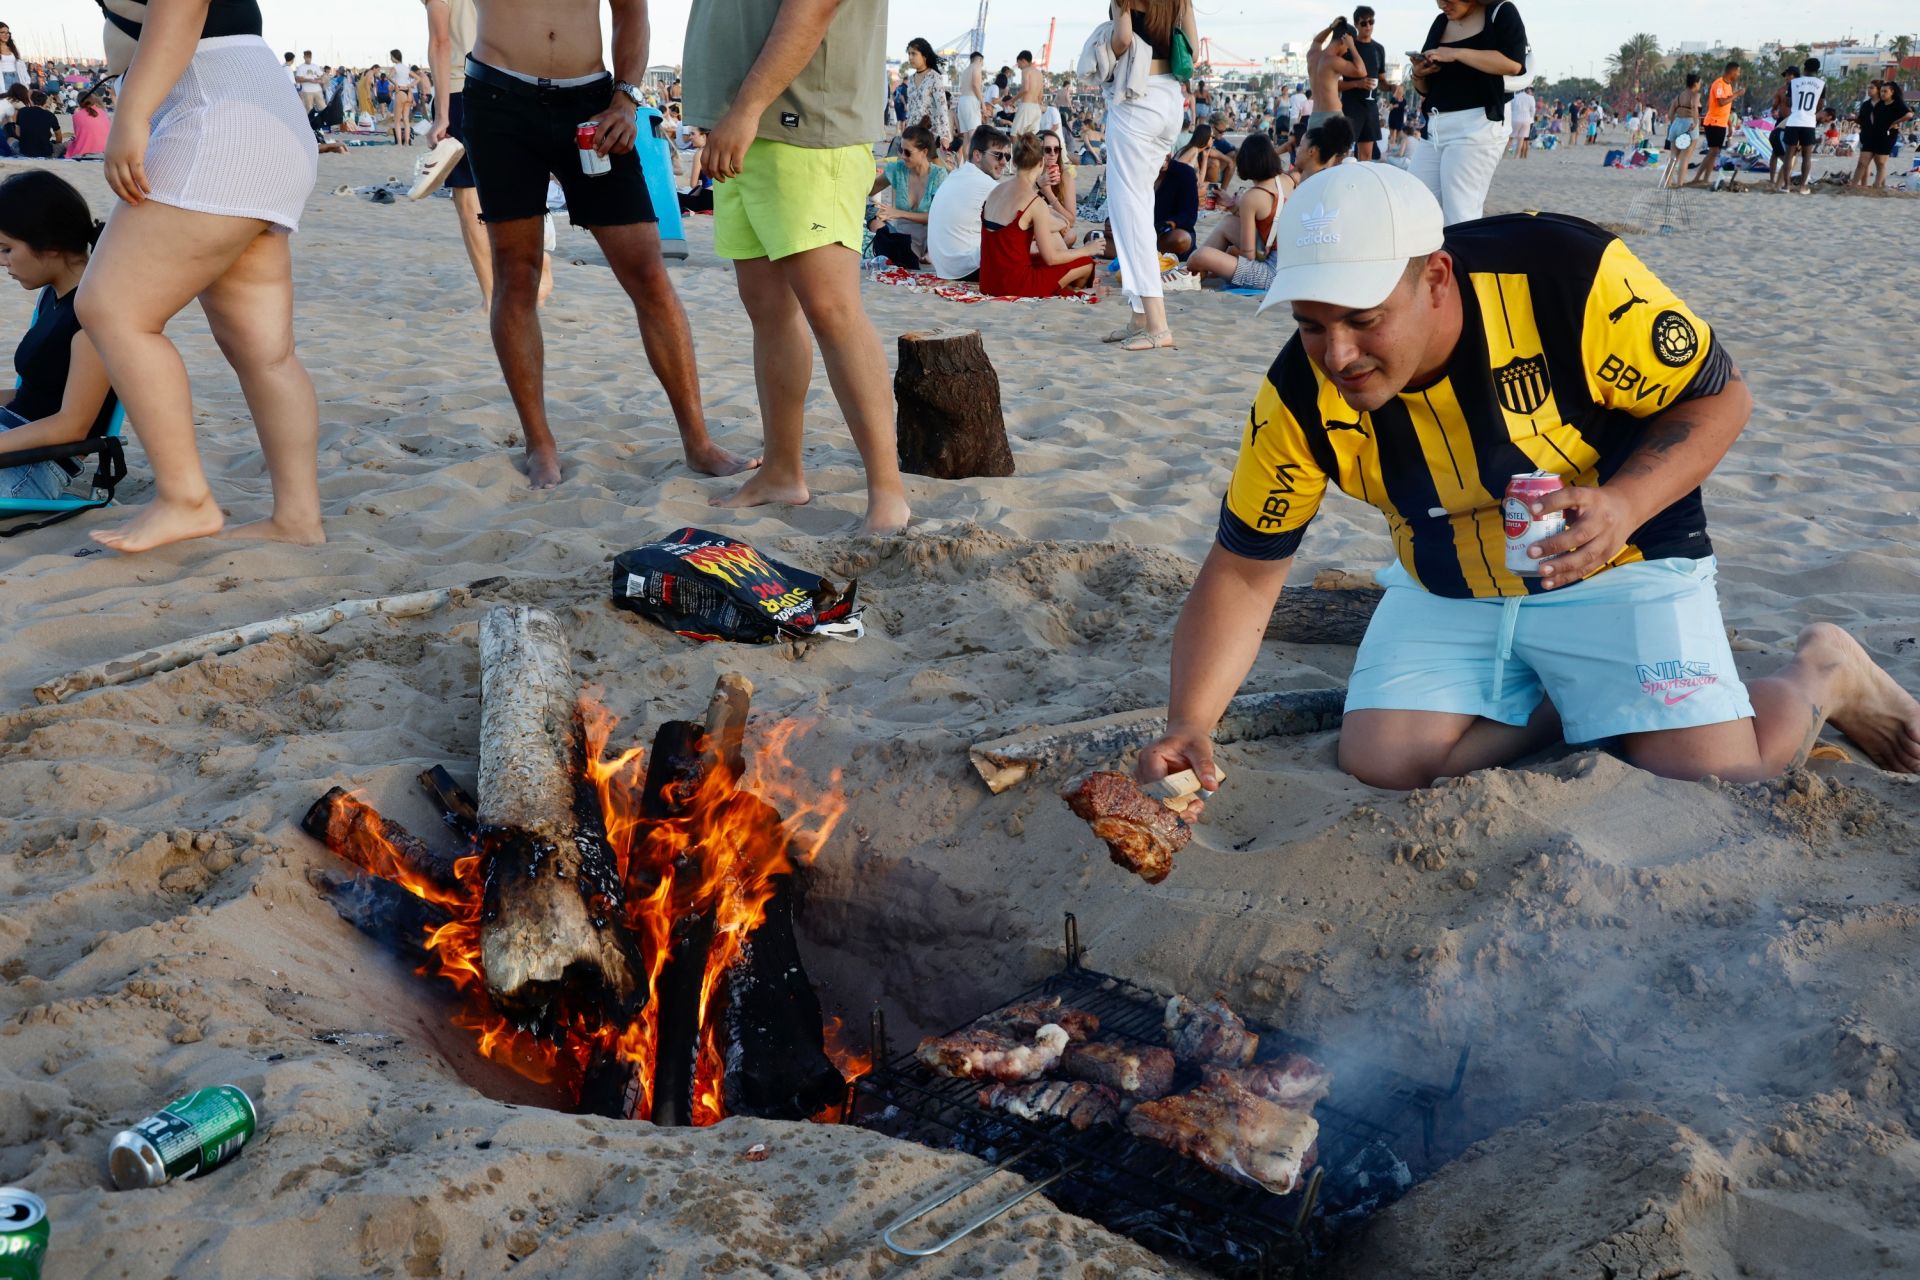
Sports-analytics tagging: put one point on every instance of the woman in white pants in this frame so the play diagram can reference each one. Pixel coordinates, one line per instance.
(1140, 135)
(1470, 50)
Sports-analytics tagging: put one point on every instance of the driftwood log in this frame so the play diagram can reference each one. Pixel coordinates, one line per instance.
(382, 910)
(345, 826)
(1005, 762)
(1321, 615)
(947, 402)
(545, 934)
(457, 808)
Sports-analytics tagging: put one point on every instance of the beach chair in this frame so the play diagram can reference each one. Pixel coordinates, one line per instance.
(112, 469)
(656, 166)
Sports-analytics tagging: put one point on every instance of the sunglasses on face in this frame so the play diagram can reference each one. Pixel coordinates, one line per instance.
(1050, 151)
(1001, 155)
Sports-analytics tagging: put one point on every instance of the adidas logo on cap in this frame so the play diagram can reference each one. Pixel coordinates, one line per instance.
(1319, 227)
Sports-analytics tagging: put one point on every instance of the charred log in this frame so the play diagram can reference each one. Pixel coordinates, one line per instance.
(356, 832)
(545, 934)
(382, 910)
(676, 767)
(458, 808)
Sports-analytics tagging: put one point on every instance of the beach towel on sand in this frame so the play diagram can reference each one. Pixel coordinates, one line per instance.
(706, 586)
(961, 290)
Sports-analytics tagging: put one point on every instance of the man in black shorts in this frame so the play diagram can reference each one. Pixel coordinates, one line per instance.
(1360, 95)
(536, 74)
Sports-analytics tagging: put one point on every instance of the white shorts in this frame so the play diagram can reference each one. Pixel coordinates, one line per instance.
(232, 138)
(1026, 118)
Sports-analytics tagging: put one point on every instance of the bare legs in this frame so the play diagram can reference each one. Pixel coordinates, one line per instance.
(789, 302)
(1830, 680)
(473, 234)
(152, 260)
(633, 252)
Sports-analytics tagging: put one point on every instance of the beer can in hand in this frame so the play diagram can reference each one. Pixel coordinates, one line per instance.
(184, 1139)
(592, 163)
(23, 1234)
(1522, 526)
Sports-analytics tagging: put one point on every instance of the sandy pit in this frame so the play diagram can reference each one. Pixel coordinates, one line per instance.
(1694, 1009)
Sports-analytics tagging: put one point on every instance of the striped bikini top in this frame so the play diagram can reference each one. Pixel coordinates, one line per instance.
(224, 18)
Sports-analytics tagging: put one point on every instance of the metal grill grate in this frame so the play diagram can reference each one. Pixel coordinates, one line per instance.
(1168, 1203)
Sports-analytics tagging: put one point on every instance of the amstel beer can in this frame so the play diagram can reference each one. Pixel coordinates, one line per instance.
(23, 1234)
(184, 1139)
(1523, 527)
(592, 163)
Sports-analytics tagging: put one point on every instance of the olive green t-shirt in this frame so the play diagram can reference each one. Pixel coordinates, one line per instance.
(837, 100)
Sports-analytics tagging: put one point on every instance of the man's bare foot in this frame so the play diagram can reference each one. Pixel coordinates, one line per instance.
(1878, 715)
(273, 529)
(543, 467)
(759, 491)
(712, 460)
(161, 522)
(886, 515)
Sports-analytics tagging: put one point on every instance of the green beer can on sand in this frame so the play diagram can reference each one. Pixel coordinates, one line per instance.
(23, 1234)
(186, 1138)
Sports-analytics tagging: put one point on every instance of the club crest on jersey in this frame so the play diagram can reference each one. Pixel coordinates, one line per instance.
(1521, 385)
(1319, 227)
(1674, 342)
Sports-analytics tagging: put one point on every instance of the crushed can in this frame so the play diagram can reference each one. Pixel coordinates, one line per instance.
(191, 1135)
(23, 1234)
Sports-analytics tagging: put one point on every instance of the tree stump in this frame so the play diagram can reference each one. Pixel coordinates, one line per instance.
(947, 400)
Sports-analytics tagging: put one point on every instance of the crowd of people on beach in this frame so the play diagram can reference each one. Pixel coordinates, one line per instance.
(1418, 322)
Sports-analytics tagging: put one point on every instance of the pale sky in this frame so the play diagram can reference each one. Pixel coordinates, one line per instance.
(1568, 38)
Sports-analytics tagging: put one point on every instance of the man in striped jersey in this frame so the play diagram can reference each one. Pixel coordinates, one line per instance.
(1430, 366)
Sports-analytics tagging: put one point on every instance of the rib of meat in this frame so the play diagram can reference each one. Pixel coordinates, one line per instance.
(975, 1054)
(1141, 834)
(1232, 1131)
(1079, 1104)
(1208, 1034)
(1135, 1071)
(1293, 1081)
(1028, 1016)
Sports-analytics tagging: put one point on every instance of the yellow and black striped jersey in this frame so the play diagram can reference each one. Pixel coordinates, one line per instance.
(1568, 345)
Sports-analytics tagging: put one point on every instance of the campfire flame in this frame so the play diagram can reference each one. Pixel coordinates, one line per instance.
(722, 858)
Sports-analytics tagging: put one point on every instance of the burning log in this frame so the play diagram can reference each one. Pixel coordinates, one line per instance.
(361, 836)
(676, 767)
(548, 862)
(382, 910)
(460, 810)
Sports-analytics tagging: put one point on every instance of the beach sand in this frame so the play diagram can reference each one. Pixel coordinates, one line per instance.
(1694, 1009)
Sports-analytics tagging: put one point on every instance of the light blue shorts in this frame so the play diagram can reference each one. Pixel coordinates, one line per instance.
(37, 481)
(1636, 649)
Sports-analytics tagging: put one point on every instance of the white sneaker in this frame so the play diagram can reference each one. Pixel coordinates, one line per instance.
(433, 167)
(1179, 280)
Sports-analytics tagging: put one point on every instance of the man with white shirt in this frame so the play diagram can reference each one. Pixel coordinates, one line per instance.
(1521, 112)
(1299, 107)
(1804, 93)
(953, 223)
(313, 95)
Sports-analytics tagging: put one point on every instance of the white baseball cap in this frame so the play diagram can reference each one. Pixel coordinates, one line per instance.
(1346, 234)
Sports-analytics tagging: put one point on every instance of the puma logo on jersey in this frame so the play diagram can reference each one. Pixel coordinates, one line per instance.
(1633, 300)
(1356, 427)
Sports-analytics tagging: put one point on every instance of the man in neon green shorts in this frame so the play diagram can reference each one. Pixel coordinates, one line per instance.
(790, 92)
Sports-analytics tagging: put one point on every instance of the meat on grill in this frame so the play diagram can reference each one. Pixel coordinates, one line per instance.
(1232, 1131)
(1293, 1081)
(975, 1054)
(1137, 1071)
(1141, 833)
(1023, 1019)
(1208, 1034)
(1078, 1103)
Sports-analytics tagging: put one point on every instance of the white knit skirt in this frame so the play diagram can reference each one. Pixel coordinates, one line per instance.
(232, 138)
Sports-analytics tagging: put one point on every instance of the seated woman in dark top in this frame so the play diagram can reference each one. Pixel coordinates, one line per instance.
(1176, 207)
(1461, 76)
(46, 235)
(1022, 251)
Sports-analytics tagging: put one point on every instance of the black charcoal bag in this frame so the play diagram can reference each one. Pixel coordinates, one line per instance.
(707, 586)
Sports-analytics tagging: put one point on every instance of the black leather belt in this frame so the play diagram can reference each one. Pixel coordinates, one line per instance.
(480, 73)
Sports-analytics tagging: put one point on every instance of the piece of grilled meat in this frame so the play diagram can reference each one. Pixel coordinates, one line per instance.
(1136, 1071)
(1232, 1131)
(1078, 1103)
(975, 1054)
(1141, 833)
(1021, 1020)
(1208, 1034)
(1293, 1081)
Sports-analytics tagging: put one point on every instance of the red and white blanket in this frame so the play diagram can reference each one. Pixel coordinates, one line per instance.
(961, 290)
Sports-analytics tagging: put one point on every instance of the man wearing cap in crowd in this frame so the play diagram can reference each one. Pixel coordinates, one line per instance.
(1430, 366)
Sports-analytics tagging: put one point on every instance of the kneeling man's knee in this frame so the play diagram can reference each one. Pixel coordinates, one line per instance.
(1391, 768)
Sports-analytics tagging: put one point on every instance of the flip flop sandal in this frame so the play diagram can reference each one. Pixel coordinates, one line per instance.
(1149, 341)
(1123, 333)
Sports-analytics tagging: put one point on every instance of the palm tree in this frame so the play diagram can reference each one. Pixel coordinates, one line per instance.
(1635, 63)
(1902, 48)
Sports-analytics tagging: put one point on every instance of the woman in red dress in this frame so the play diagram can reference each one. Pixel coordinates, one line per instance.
(1023, 253)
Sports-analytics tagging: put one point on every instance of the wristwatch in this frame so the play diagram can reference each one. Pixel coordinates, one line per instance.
(632, 91)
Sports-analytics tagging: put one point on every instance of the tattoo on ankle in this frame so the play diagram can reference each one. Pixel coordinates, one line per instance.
(1813, 736)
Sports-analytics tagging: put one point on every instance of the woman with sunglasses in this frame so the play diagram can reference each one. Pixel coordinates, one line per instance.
(1461, 76)
(900, 234)
(1058, 169)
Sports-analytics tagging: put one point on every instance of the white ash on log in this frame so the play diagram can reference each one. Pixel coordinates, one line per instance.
(546, 934)
(947, 407)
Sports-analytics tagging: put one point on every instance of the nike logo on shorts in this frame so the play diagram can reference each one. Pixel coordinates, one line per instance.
(1672, 698)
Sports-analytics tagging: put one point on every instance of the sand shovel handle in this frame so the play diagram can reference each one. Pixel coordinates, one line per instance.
(934, 1201)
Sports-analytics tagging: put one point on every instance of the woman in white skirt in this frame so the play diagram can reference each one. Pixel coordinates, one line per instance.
(212, 158)
(1140, 135)
(1461, 75)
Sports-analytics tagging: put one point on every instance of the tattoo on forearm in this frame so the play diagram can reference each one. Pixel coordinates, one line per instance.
(1662, 437)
